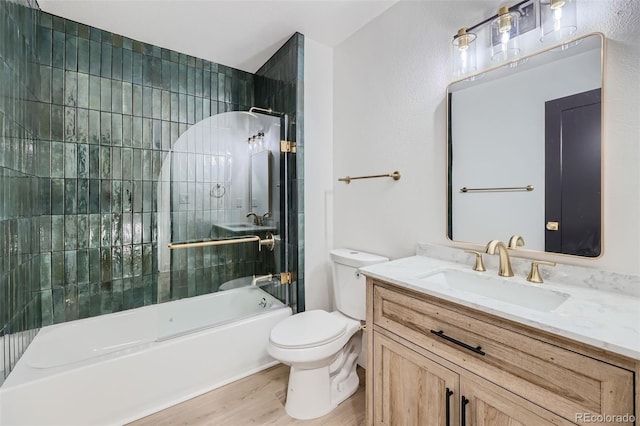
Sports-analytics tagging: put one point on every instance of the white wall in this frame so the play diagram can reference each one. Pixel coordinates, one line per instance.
(389, 114)
(318, 173)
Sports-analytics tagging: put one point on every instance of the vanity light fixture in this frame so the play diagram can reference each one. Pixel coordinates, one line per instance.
(464, 53)
(504, 35)
(558, 20)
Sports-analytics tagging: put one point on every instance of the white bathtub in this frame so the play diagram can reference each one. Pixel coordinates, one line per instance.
(116, 368)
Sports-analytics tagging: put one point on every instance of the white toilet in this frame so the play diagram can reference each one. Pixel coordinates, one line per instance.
(321, 347)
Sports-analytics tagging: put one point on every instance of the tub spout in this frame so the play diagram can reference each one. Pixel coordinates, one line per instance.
(260, 278)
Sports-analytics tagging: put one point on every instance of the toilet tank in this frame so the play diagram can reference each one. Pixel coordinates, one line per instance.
(349, 286)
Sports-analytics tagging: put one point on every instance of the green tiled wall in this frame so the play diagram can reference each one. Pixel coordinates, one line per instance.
(279, 84)
(19, 244)
(110, 110)
(87, 118)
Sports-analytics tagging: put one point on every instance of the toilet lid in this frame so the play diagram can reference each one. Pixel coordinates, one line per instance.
(308, 329)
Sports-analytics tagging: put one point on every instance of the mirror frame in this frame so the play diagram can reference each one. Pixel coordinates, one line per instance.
(524, 251)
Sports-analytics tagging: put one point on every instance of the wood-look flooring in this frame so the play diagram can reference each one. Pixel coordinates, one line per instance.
(255, 400)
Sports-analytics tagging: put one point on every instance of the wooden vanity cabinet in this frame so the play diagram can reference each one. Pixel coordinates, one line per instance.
(433, 362)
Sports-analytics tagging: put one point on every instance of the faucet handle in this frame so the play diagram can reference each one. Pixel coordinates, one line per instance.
(534, 274)
(479, 266)
(516, 241)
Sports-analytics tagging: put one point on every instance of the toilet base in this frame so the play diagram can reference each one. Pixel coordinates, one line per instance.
(315, 392)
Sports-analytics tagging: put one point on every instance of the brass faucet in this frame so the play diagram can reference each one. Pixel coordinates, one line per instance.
(504, 270)
(515, 241)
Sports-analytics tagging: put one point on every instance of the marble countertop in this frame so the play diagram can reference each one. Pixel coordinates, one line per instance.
(604, 319)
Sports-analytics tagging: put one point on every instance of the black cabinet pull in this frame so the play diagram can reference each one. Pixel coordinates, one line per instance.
(476, 349)
(463, 410)
(448, 407)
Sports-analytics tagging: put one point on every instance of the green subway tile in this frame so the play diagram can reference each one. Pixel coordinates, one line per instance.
(166, 74)
(45, 195)
(127, 98)
(84, 301)
(57, 122)
(105, 94)
(44, 42)
(70, 129)
(70, 27)
(198, 82)
(191, 110)
(137, 258)
(127, 196)
(95, 56)
(137, 67)
(156, 135)
(57, 233)
(58, 49)
(94, 161)
(156, 104)
(57, 268)
(127, 43)
(70, 267)
(116, 163)
(105, 162)
(182, 79)
(137, 100)
(146, 194)
(105, 265)
(44, 233)
(116, 63)
(71, 53)
(105, 131)
(174, 107)
(165, 105)
(83, 161)
(147, 64)
(107, 37)
(116, 130)
(83, 231)
(57, 86)
(45, 84)
(94, 196)
(94, 92)
(105, 230)
(82, 125)
(70, 160)
(136, 140)
(83, 31)
(57, 159)
(94, 127)
(116, 228)
(45, 271)
(116, 96)
(57, 196)
(206, 84)
(117, 40)
(137, 230)
(105, 65)
(82, 267)
(95, 34)
(83, 195)
(94, 234)
(116, 263)
(105, 196)
(127, 229)
(70, 196)
(127, 130)
(182, 108)
(84, 57)
(44, 121)
(147, 133)
(83, 90)
(166, 136)
(127, 65)
(137, 164)
(147, 102)
(175, 76)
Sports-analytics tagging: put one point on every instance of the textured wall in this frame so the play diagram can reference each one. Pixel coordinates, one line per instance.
(19, 212)
(389, 114)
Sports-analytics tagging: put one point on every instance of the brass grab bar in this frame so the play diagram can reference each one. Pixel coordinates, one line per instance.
(395, 175)
(499, 189)
(269, 242)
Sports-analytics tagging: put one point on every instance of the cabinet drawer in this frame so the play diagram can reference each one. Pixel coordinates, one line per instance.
(560, 380)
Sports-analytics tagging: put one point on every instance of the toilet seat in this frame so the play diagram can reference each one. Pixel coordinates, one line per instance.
(308, 329)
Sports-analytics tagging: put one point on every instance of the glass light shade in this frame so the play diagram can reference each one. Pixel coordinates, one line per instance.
(464, 53)
(558, 20)
(504, 35)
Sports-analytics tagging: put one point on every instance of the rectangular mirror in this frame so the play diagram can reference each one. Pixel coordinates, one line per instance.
(260, 182)
(524, 152)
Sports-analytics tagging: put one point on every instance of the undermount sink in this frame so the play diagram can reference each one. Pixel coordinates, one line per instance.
(503, 289)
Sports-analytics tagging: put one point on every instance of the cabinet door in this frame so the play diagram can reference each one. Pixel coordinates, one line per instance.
(486, 404)
(410, 389)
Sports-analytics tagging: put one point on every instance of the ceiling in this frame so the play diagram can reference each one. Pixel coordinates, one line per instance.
(241, 34)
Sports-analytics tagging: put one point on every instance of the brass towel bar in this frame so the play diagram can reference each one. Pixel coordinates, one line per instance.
(507, 188)
(395, 175)
(268, 242)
